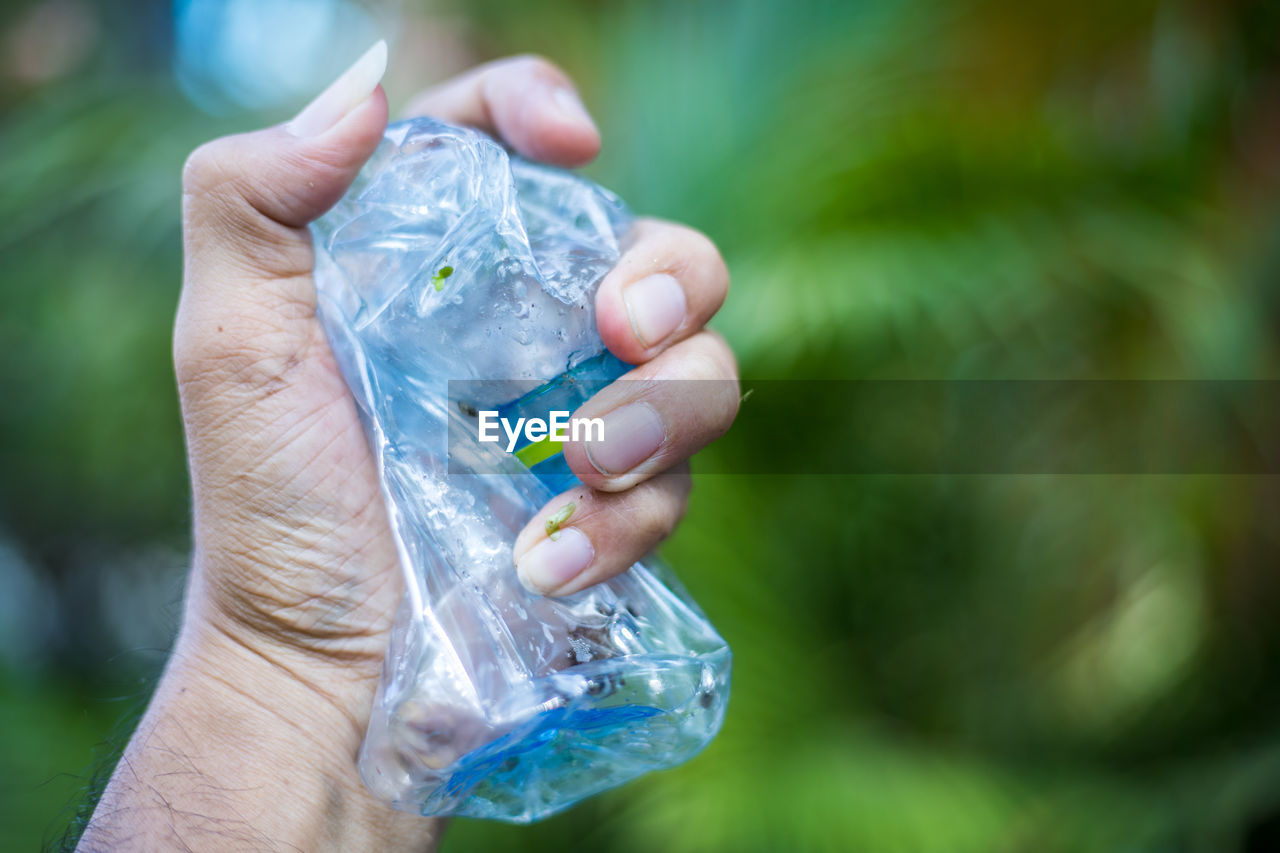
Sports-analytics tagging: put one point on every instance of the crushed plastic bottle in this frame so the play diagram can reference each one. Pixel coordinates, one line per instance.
(452, 264)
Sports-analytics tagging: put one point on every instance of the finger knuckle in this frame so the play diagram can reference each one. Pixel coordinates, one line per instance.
(184, 359)
(699, 251)
(693, 257)
(226, 360)
(679, 486)
(198, 357)
(655, 515)
(214, 190)
(190, 349)
(534, 64)
(711, 361)
(704, 248)
(721, 354)
(204, 168)
(707, 358)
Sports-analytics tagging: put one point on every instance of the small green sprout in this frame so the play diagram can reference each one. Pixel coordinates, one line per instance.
(562, 515)
(440, 276)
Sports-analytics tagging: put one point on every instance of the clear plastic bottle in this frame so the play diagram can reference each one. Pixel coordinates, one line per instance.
(453, 278)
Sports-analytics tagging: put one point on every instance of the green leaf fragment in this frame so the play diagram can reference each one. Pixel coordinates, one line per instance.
(562, 515)
(440, 276)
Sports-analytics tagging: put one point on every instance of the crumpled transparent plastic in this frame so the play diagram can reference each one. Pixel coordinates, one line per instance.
(450, 260)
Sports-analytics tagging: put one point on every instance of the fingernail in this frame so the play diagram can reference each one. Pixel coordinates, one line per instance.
(569, 106)
(655, 306)
(552, 563)
(343, 95)
(631, 435)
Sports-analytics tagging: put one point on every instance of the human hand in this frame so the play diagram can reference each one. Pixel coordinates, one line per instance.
(295, 577)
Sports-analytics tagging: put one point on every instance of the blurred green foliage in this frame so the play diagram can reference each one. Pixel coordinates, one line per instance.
(952, 189)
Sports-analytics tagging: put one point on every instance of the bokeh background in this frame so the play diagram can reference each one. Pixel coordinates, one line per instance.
(955, 189)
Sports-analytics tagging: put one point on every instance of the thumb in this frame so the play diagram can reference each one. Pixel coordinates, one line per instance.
(247, 199)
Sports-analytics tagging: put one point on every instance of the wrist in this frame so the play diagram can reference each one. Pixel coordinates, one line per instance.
(237, 749)
(275, 694)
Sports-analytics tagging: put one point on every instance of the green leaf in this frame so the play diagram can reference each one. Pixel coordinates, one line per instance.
(562, 515)
(440, 276)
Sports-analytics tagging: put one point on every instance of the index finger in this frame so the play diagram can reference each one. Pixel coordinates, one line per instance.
(526, 101)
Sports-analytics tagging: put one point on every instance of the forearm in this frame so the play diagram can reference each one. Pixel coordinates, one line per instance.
(234, 753)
